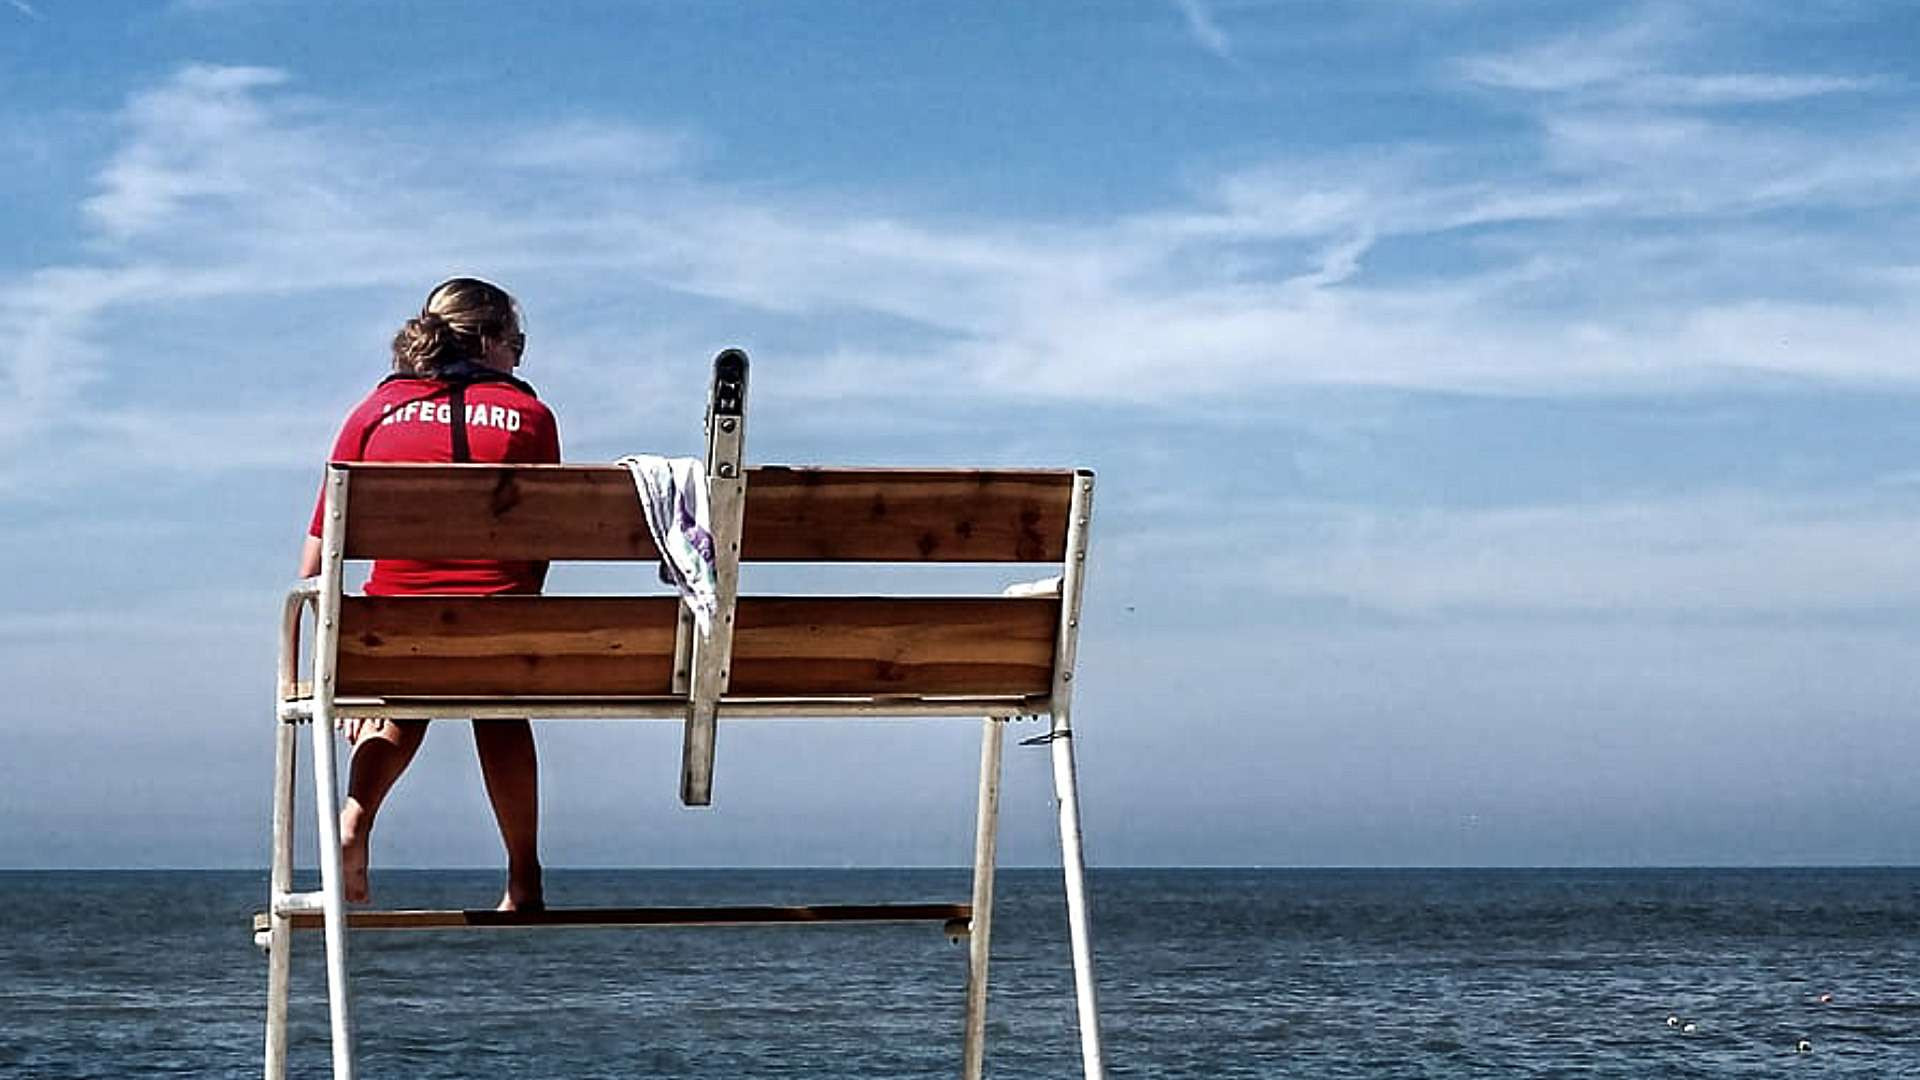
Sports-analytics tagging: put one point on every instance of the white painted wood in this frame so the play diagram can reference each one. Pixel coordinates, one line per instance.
(726, 511)
(279, 936)
(300, 903)
(325, 786)
(1065, 785)
(1044, 587)
(683, 652)
(302, 595)
(979, 945)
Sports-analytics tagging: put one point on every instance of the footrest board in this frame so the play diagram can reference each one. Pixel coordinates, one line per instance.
(957, 918)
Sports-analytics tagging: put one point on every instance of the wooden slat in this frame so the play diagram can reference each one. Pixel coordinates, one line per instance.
(906, 515)
(542, 512)
(876, 645)
(514, 512)
(958, 915)
(482, 645)
(475, 646)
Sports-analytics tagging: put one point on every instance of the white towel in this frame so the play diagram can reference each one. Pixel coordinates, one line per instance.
(673, 495)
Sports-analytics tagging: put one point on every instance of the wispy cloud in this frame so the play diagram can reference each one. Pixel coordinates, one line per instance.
(26, 9)
(1739, 89)
(1584, 58)
(1630, 62)
(175, 130)
(592, 147)
(1205, 30)
(229, 184)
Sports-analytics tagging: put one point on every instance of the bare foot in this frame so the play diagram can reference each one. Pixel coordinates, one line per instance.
(524, 892)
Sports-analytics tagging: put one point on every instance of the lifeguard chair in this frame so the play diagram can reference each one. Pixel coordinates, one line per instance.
(999, 657)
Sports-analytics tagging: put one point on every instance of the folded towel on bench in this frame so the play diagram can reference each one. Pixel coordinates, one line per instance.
(673, 494)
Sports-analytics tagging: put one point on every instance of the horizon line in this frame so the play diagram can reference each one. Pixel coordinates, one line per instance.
(1024, 866)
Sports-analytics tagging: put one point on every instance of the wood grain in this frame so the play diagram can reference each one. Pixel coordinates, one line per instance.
(483, 645)
(906, 515)
(509, 512)
(476, 646)
(881, 645)
(544, 512)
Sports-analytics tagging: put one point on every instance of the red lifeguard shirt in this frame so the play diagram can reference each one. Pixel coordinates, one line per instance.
(410, 420)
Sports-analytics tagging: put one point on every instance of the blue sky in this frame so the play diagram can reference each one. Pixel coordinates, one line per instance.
(1503, 409)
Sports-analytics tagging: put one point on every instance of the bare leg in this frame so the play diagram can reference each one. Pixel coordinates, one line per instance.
(512, 772)
(380, 754)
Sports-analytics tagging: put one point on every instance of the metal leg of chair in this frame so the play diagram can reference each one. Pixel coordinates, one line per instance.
(327, 810)
(279, 883)
(1079, 920)
(980, 937)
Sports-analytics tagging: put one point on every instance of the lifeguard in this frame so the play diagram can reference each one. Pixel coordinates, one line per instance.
(456, 358)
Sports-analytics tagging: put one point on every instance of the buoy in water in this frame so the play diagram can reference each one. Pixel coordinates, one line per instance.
(1673, 1021)
(1803, 1047)
(1687, 1028)
(1825, 999)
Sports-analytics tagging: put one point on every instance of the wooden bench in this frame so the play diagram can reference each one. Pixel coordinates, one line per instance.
(551, 657)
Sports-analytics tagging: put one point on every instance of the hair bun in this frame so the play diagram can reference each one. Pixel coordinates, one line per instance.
(459, 316)
(423, 343)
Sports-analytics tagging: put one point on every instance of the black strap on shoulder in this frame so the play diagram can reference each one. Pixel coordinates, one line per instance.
(453, 381)
(457, 422)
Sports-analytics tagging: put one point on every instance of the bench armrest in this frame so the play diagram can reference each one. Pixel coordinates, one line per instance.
(305, 591)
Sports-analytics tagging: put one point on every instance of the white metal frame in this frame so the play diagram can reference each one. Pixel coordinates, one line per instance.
(703, 686)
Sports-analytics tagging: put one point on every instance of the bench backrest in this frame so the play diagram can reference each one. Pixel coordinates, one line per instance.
(793, 514)
(783, 647)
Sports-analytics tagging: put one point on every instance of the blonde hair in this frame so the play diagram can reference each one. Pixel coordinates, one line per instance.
(459, 312)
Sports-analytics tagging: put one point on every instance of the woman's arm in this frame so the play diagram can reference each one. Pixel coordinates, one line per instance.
(349, 445)
(546, 451)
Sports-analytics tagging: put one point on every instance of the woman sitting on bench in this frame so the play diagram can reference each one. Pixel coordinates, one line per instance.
(452, 397)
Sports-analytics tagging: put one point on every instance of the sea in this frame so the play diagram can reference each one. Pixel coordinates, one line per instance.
(1214, 973)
